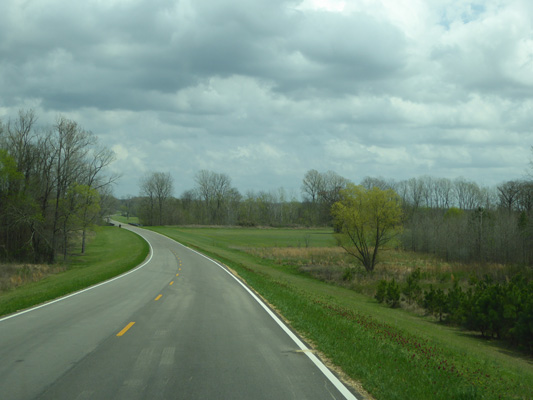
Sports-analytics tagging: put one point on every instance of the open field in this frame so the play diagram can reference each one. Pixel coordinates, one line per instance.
(111, 252)
(394, 354)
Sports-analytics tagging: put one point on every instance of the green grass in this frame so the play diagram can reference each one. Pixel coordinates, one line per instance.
(393, 353)
(267, 237)
(125, 220)
(111, 252)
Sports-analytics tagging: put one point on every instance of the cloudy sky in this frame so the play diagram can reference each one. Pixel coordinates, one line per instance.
(265, 90)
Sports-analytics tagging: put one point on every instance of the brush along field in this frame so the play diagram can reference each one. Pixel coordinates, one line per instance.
(328, 298)
(334, 265)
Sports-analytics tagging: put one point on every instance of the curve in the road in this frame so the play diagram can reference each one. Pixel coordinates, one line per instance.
(171, 328)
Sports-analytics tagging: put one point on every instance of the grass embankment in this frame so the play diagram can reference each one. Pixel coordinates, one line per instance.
(111, 252)
(394, 354)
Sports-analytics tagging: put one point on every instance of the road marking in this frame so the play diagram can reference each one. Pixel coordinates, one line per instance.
(123, 331)
(171, 283)
(177, 274)
(158, 297)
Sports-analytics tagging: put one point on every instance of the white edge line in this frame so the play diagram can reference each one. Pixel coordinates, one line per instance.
(320, 365)
(88, 288)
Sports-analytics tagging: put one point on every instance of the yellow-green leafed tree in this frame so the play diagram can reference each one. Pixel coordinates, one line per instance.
(366, 219)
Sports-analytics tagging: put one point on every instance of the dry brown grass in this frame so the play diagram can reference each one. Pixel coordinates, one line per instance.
(299, 256)
(334, 265)
(14, 275)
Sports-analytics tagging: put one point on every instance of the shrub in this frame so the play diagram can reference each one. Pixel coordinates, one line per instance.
(435, 302)
(393, 294)
(381, 291)
(347, 274)
(388, 292)
(455, 304)
(412, 290)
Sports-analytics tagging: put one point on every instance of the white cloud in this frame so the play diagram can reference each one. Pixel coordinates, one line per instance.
(129, 158)
(322, 5)
(346, 151)
(266, 90)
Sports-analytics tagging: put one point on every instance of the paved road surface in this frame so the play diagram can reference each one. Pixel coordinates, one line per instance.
(178, 327)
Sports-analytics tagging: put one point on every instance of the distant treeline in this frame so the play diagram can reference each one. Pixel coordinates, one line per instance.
(454, 219)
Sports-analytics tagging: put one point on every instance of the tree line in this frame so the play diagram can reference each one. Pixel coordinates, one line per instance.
(477, 225)
(52, 187)
(215, 201)
(457, 219)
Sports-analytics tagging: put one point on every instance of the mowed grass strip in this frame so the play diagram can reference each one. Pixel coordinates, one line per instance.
(111, 252)
(394, 354)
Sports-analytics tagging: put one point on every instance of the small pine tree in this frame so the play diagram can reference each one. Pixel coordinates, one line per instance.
(381, 291)
(412, 290)
(393, 294)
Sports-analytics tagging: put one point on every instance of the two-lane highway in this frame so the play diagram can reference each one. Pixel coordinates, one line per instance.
(179, 327)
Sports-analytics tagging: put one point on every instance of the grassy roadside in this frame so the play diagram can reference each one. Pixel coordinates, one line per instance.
(111, 252)
(393, 353)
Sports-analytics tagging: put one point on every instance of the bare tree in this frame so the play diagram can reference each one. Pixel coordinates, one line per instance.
(331, 189)
(414, 192)
(443, 190)
(508, 194)
(215, 190)
(468, 194)
(312, 185)
(157, 188)
(380, 183)
(20, 139)
(525, 197)
(71, 147)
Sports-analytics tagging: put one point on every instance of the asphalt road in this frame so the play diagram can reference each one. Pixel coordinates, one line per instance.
(178, 327)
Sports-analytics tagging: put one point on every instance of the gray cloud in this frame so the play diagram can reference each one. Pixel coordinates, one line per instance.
(266, 90)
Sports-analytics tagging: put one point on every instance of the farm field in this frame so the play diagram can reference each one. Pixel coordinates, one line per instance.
(393, 354)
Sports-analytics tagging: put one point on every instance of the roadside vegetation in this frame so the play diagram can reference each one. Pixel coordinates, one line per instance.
(52, 188)
(328, 299)
(110, 252)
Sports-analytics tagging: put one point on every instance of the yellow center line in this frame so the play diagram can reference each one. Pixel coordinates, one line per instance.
(158, 297)
(123, 331)
(177, 274)
(172, 282)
